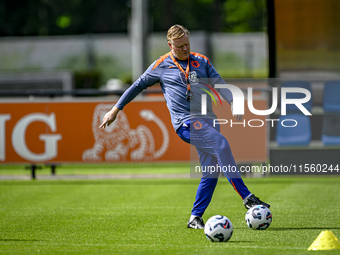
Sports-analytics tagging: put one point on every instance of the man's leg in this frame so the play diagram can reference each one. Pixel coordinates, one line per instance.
(208, 139)
(213, 150)
(206, 187)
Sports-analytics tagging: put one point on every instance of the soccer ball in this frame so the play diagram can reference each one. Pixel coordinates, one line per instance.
(258, 217)
(218, 229)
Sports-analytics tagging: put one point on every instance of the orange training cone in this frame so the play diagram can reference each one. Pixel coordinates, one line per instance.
(325, 241)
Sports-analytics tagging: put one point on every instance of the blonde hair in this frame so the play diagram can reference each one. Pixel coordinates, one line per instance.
(176, 32)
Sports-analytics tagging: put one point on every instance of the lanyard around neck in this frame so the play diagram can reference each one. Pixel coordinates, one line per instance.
(187, 70)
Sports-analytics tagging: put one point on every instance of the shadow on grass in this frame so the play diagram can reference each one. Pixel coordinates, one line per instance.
(231, 241)
(301, 228)
(132, 181)
(19, 240)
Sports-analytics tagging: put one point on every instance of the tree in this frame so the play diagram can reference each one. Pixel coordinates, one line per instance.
(66, 17)
(245, 15)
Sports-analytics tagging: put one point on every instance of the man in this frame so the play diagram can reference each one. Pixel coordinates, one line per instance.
(183, 75)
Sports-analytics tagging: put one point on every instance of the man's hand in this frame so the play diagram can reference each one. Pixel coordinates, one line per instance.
(109, 117)
(237, 117)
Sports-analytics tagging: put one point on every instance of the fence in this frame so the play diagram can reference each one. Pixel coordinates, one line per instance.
(232, 54)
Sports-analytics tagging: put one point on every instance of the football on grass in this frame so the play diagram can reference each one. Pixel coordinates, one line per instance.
(218, 229)
(258, 217)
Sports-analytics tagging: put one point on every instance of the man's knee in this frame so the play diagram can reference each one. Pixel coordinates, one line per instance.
(223, 146)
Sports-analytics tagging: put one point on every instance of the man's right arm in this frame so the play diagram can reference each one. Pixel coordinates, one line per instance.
(147, 79)
(110, 117)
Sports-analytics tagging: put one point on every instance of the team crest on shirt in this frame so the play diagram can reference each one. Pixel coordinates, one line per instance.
(197, 125)
(193, 77)
(195, 63)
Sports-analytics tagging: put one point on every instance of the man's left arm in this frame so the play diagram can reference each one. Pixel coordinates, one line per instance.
(215, 78)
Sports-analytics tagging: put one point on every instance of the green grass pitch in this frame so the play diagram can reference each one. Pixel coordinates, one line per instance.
(149, 216)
